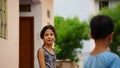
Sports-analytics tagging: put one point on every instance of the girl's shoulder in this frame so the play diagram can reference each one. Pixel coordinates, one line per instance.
(40, 51)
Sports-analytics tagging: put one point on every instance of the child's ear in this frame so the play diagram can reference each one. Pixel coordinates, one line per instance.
(110, 37)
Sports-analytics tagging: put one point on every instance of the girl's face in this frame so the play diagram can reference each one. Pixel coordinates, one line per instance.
(49, 37)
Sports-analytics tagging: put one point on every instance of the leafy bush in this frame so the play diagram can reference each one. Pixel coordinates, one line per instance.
(70, 32)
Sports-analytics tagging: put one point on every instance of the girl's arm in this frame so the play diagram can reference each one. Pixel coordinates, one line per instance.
(41, 58)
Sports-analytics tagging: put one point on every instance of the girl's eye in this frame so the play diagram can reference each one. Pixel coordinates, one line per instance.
(46, 34)
(51, 34)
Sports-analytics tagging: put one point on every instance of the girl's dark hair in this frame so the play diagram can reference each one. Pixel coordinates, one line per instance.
(45, 28)
(101, 26)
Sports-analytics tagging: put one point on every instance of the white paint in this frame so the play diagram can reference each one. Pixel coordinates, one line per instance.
(9, 48)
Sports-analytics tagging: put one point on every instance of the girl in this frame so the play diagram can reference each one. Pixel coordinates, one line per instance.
(46, 54)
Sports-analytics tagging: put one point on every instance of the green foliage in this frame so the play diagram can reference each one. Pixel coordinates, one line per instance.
(70, 32)
(114, 13)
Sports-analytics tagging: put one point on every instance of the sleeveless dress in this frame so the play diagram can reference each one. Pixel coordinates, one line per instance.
(50, 59)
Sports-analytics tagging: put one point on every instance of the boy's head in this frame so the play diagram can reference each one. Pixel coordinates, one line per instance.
(101, 26)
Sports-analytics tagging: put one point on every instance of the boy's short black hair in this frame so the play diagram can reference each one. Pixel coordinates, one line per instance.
(101, 26)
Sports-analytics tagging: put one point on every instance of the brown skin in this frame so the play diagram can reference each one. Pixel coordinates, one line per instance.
(41, 58)
(101, 45)
(49, 38)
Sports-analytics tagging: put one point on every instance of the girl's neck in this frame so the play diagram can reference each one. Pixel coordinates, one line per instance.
(49, 49)
(48, 46)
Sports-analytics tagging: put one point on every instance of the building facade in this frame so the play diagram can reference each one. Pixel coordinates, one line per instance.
(25, 19)
(97, 5)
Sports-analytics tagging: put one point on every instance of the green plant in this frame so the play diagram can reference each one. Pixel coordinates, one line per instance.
(70, 32)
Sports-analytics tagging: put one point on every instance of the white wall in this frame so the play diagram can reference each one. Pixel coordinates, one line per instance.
(36, 13)
(92, 7)
(39, 12)
(9, 48)
(113, 3)
(47, 5)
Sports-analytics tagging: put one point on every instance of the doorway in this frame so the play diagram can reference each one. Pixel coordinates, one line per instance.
(26, 42)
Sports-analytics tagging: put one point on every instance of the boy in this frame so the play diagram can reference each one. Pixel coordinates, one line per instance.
(102, 31)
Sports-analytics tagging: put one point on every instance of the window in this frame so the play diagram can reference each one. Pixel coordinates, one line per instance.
(3, 19)
(103, 4)
(25, 8)
(48, 13)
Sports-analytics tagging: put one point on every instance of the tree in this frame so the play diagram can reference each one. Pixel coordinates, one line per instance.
(70, 32)
(114, 13)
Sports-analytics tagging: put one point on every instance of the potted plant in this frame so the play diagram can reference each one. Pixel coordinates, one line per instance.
(69, 34)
